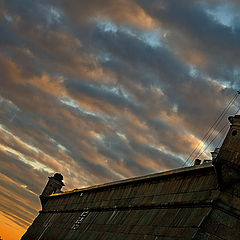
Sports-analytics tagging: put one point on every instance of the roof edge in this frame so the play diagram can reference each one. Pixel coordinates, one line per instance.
(170, 173)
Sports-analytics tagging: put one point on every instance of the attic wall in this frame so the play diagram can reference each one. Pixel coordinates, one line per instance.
(224, 220)
(189, 188)
(219, 225)
(165, 207)
(175, 223)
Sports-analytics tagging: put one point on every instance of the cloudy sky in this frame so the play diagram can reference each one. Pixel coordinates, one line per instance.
(102, 90)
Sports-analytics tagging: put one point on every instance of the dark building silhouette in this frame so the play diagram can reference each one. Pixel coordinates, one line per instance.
(54, 185)
(199, 202)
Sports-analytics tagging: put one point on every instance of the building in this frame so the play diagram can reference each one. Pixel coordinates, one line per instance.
(199, 202)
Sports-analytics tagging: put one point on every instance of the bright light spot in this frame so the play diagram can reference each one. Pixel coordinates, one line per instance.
(23, 158)
(106, 26)
(97, 135)
(121, 92)
(28, 160)
(73, 104)
(220, 84)
(55, 12)
(167, 152)
(8, 17)
(158, 91)
(115, 90)
(175, 108)
(62, 147)
(58, 145)
(193, 71)
(223, 13)
(9, 102)
(27, 189)
(54, 15)
(104, 57)
(151, 38)
(122, 136)
(120, 176)
(3, 128)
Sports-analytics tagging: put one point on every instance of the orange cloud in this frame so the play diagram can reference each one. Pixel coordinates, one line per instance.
(121, 12)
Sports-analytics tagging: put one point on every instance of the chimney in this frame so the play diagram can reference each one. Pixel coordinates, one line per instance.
(197, 162)
(227, 161)
(215, 153)
(54, 185)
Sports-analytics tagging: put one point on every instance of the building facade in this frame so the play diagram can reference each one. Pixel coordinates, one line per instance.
(199, 202)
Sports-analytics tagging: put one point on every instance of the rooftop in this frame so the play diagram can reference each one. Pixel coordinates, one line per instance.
(170, 173)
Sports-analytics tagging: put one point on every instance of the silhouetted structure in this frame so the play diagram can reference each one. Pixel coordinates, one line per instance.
(54, 185)
(199, 202)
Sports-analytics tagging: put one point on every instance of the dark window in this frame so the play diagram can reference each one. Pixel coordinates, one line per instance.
(234, 132)
(80, 220)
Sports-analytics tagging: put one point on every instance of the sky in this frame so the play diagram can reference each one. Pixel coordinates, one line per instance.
(103, 90)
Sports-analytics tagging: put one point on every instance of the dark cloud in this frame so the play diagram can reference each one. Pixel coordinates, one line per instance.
(211, 46)
(123, 12)
(104, 98)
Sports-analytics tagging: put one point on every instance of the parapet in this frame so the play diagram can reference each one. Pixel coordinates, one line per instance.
(227, 162)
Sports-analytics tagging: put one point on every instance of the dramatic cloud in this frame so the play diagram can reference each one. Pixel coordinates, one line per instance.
(106, 90)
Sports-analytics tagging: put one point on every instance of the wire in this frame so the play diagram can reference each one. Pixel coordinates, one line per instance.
(217, 122)
(221, 141)
(212, 140)
(216, 136)
(213, 127)
(203, 139)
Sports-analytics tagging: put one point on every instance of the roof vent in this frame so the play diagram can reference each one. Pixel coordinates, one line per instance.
(207, 161)
(215, 153)
(197, 162)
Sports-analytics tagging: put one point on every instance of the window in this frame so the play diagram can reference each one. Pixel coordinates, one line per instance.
(80, 219)
(234, 132)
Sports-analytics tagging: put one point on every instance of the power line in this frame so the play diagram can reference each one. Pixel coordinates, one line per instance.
(212, 140)
(215, 136)
(213, 127)
(217, 122)
(203, 139)
(221, 141)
